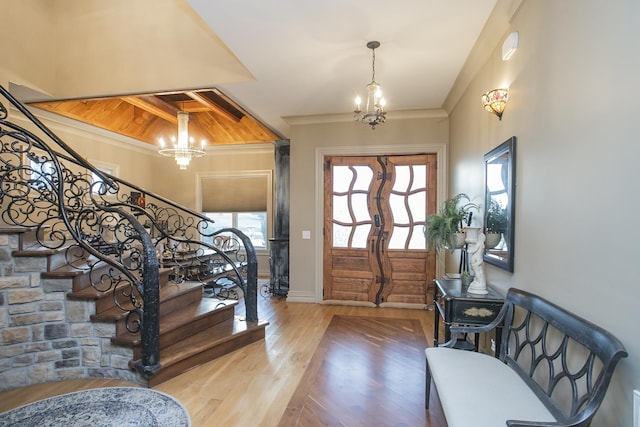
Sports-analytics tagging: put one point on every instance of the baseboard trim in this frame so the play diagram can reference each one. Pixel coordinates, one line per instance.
(297, 296)
(351, 303)
(411, 306)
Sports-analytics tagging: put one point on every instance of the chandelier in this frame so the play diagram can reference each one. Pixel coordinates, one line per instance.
(183, 149)
(374, 113)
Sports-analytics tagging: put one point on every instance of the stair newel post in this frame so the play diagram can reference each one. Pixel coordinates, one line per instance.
(150, 328)
(251, 287)
(251, 297)
(251, 293)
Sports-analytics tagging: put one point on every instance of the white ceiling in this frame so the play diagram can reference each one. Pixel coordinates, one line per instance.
(310, 57)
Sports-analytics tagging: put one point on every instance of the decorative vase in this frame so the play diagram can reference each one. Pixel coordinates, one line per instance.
(460, 240)
(492, 240)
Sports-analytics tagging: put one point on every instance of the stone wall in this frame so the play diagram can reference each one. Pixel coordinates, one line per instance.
(44, 336)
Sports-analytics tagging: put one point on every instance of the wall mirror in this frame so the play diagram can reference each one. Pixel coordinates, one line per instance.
(500, 165)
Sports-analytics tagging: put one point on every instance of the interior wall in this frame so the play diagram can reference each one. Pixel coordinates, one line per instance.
(127, 60)
(573, 108)
(27, 24)
(112, 62)
(308, 143)
(135, 164)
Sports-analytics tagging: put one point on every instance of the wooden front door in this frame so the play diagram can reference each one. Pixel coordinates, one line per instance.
(374, 217)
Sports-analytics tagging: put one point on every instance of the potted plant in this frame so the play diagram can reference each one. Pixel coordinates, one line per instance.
(497, 222)
(442, 227)
(466, 278)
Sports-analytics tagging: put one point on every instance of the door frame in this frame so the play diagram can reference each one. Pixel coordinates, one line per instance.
(441, 151)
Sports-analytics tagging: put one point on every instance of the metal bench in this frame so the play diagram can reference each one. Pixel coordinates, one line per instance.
(553, 369)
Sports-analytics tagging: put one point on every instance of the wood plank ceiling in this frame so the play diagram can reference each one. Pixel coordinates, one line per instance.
(213, 116)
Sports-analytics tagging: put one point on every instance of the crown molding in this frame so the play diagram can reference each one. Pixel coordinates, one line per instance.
(435, 113)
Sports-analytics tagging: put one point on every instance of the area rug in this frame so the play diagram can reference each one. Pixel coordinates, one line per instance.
(366, 371)
(101, 407)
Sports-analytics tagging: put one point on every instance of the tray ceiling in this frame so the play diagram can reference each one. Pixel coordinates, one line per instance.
(213, 116)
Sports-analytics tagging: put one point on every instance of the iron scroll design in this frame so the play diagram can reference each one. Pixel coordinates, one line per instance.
(68, 211)
(95, 220)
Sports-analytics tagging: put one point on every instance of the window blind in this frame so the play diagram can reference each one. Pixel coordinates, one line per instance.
(234, 194)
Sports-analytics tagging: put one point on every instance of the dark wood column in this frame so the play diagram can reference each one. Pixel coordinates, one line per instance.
(279, 244)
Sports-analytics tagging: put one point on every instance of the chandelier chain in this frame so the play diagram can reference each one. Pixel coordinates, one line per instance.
(373, 67)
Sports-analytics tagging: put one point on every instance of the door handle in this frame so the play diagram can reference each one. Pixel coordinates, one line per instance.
(376, 220)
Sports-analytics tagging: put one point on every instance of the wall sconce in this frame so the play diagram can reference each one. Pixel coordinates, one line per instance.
(495, 100)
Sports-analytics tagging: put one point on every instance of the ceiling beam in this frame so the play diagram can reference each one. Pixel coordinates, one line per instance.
(155, 106)
(215, 107)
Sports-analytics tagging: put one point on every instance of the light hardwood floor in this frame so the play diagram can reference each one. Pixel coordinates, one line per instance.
(251, 386)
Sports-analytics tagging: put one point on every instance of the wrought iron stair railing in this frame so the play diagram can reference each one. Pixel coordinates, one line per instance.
(100, 220)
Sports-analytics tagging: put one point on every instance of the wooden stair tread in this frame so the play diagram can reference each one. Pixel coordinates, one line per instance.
(166, 291)
(62, 274)
(88, 293)
(181, 317)
(8, 229)
(170, 291)
(71, 270)
(221, 333)
(194, 311)
(37, 251)
(113, 314)
(205, 346)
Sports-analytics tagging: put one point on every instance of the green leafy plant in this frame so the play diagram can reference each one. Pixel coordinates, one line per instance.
(497, 220)
(442, 227)
(466, 278)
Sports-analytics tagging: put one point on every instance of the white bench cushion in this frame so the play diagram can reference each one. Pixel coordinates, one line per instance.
(479, 390)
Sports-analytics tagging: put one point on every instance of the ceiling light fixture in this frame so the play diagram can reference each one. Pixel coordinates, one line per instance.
(183, 148)
(495, 101)
(374, 114)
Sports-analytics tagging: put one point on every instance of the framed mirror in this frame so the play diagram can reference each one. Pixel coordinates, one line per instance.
(499, 215)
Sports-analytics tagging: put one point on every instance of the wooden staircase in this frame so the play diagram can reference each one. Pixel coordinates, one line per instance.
(193, 329)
